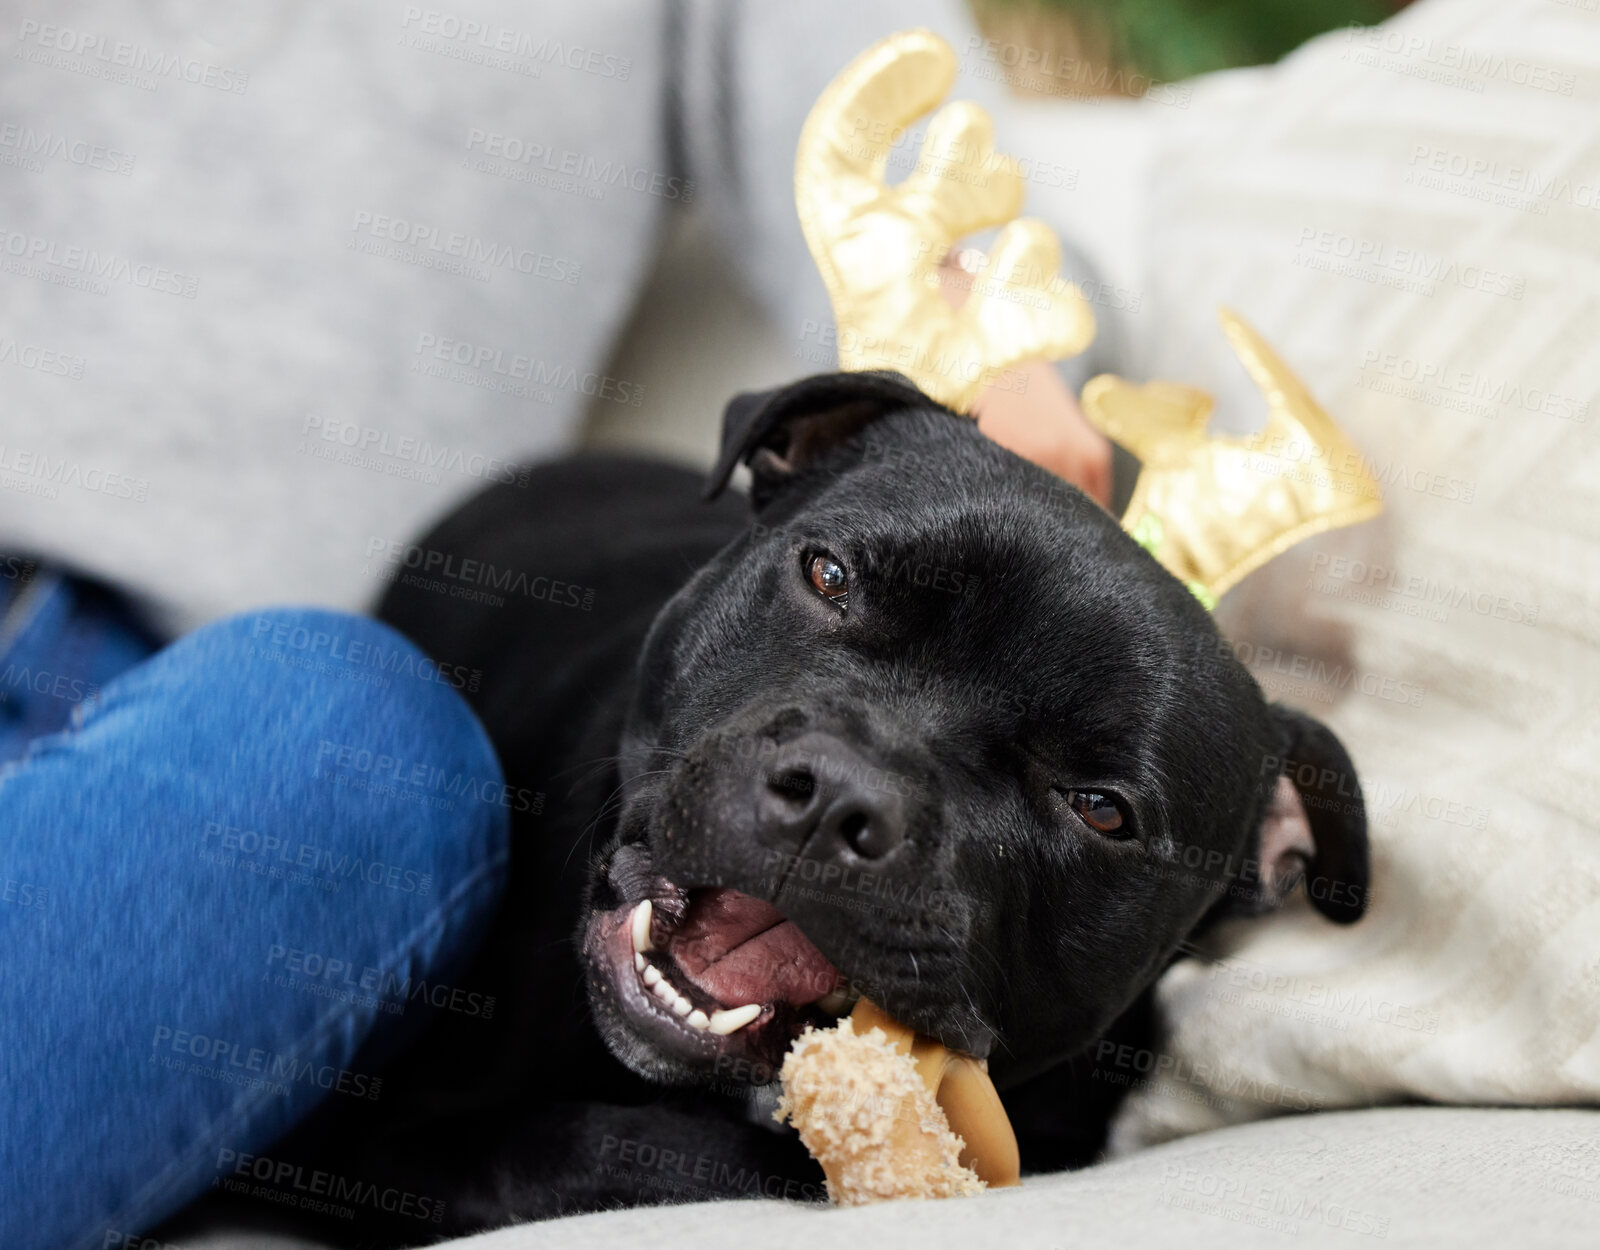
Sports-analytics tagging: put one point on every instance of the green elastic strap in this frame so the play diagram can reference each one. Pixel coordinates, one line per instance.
(1148, 533)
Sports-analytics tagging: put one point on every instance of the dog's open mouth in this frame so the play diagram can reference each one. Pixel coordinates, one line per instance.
(711, 972)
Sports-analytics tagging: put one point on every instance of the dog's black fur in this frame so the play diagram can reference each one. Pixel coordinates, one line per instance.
(712, 720)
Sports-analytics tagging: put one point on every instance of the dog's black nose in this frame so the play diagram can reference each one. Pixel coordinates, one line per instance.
(818, 785)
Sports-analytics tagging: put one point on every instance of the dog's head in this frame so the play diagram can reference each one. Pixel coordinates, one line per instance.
(935, 730)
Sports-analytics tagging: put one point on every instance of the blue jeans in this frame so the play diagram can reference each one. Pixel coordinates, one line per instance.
(222, 863)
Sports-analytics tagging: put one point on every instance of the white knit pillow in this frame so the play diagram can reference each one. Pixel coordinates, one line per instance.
(1411, 215)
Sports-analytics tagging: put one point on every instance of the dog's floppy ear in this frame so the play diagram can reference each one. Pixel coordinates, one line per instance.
(1314, 827)
(778, 432)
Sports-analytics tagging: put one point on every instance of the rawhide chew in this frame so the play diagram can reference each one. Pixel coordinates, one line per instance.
(890, 1114)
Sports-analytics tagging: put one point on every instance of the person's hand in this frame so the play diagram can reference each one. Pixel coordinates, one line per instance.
(1039, 419)
(1043, 423)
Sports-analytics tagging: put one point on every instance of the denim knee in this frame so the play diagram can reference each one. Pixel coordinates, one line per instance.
(291, 784)
(357, 711)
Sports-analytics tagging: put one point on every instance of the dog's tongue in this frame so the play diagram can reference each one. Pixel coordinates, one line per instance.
(741, 950)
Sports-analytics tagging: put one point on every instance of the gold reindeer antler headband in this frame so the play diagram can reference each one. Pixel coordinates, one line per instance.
(879, 247)
(1210, 509)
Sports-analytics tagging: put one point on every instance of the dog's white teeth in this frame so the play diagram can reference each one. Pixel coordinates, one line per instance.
(837, 1002)
(670, 997)
(641, 927)
(679, 1004)
(726, 1022)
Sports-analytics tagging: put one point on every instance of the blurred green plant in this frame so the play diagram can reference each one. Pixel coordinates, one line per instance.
(1171, 39)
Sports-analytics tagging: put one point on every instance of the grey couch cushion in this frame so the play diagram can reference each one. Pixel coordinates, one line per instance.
(1402, 1177)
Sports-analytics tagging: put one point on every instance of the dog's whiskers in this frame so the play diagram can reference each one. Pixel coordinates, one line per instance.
(611, 804)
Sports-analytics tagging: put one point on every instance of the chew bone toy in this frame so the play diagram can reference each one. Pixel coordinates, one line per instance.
(892, 1114)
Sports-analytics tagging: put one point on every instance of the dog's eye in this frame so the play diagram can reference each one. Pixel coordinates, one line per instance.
(1101, 812)
(828, 578)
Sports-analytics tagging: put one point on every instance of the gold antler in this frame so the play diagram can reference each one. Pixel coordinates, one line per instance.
(1210, 509)
(1213, 509)
(879, 247)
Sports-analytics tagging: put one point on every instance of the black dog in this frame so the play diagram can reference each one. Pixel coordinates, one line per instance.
(931, 728)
